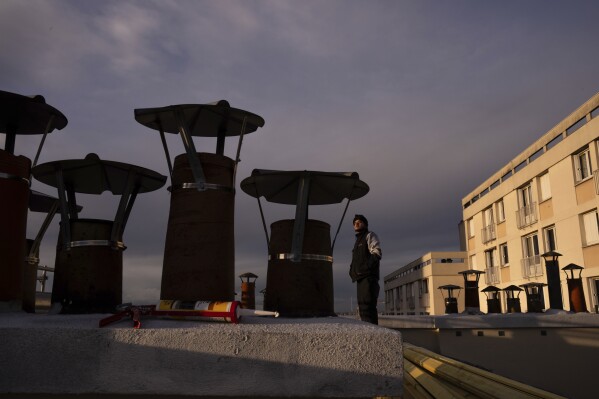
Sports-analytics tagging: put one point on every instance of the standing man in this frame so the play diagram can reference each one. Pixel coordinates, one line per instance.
(364, 269)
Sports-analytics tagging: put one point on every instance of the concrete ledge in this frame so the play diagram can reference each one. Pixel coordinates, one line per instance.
(260, 357)
(549, 319)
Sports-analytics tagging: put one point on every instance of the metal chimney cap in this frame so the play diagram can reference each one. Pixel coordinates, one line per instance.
(512, 288)
(94, 176)
(205, 120)
(491, 288)
(28, 115)
(572, 266)
(281, 187)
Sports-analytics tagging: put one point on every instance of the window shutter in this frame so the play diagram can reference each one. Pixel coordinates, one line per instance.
(545, 187)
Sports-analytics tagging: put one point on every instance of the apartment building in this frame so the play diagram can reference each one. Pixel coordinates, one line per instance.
(414, 288)
(544, 199)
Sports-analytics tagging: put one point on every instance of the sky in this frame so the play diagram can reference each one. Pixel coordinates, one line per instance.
(424, 99)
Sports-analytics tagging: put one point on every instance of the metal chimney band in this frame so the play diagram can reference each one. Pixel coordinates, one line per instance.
(97, 243)
(32, 260)
(12, 177)
(207, 186)
(325, 258)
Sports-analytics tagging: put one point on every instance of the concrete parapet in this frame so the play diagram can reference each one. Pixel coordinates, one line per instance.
(260, 357)
(549, 319)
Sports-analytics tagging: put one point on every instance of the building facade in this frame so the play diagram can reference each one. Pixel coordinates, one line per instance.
(545, 199)
(414, 288)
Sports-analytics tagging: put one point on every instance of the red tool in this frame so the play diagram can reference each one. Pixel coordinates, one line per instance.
(135, 312)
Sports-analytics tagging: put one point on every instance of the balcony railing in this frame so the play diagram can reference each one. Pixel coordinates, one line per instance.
(531, 266)
(492, 275)
(488, 233)
(411, 302)
(526, 215)
(424, 300)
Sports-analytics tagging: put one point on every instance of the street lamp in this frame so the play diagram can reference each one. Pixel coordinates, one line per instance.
(554, 287)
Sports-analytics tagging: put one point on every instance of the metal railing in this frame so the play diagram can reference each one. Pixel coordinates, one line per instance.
(411, 302)
(526, 215)
(488, 233)
(531, 266)
(492, 275)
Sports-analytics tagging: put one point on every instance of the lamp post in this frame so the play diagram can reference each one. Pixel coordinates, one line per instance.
(513, 300)
(554, 287)
(451, 302)
(492, 294)
(248, 290)
(534, 297)
(575, 290)
(471, 300)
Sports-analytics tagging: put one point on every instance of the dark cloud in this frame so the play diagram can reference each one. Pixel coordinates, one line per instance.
(423, 99)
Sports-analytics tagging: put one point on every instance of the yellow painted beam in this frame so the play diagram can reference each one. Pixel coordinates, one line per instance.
(434, 387)
(478, 382)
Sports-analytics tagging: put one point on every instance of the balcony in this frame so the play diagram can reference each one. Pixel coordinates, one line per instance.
(526, 215)
(424, 300)
(488, 233)
(531, 266)
(492, 275)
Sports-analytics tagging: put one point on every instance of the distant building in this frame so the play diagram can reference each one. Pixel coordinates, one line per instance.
(544, 199)
(413, 288)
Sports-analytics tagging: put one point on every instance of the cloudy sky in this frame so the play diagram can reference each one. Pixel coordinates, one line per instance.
(424, 99)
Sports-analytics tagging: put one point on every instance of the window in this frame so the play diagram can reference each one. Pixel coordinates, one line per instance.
(544, 188)
(488, 231)
(500, 211)
(422, 287)
(549, 237)
(526, 214)
(473, 262)
(488, 216)
(504, 259)
(470, 226)
(591, 227)
(530, 246)
(531, 260)
(490, 258)
(492, 271)
(525, 196)
(582, 165)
